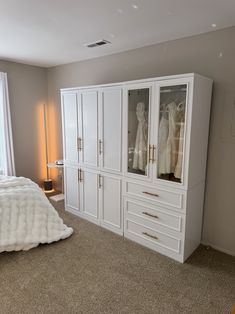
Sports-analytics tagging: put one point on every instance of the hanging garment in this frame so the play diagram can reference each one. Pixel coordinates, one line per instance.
(171, 147)
(162, 142)
(178, 168)
(140, 152)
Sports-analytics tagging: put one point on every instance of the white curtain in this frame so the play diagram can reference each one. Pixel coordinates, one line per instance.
(7, 163)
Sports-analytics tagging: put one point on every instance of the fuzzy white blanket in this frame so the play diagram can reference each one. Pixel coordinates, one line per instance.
(26, 216)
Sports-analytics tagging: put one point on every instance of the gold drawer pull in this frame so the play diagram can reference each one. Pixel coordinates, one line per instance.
(149, 235)
(99, 181)
(150, 215)
(152, 194)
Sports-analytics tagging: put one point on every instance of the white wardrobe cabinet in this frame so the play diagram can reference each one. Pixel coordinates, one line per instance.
(100, 198)
(95, 196)
(135, 158)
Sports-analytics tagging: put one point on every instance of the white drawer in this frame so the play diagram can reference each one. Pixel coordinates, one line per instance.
(151, 237)
(153, 214)
(162, 196)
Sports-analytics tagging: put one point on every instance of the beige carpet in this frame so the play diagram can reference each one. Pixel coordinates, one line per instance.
(96, 271)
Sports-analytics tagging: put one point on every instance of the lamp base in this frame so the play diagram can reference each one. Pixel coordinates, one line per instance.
(47, 185)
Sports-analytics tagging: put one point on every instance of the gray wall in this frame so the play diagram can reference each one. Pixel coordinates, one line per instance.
(27, 93)
(200, 54)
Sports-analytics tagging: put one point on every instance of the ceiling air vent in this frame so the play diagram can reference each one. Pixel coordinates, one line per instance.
(98, 43)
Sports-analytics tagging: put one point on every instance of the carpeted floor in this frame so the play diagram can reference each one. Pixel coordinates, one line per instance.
(96, 271)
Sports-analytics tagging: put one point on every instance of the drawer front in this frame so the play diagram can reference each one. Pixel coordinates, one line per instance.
(157, 195)
(153, 237)
(153, 214)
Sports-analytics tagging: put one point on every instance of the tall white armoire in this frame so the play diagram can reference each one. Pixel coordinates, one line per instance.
(135, 158)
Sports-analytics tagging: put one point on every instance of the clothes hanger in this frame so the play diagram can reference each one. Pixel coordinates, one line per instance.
(181, 106)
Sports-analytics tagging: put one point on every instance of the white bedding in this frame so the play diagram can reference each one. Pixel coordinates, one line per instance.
(26, 216)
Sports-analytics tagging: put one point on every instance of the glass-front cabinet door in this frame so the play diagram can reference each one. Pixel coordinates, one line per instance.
(138, 131)
(171, 132)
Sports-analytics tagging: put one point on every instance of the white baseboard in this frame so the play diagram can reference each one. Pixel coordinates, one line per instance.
(219, 248)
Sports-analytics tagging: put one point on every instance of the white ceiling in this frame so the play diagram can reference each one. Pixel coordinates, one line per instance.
(53, 32)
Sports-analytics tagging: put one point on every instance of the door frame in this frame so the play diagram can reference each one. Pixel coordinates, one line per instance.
(127, 87)
(187, 129)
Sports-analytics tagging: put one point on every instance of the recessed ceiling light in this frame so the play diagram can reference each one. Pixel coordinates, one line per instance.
(112, 35)
(134, 6)
(169, 13)
(120, 11)
(213, 25)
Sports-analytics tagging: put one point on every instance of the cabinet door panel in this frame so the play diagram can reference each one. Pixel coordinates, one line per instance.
(70, 127)
(89, 113)
(137, 120)
(170, 130)
(71, 187)
(111, 130)
(89, 191)
(111, 209)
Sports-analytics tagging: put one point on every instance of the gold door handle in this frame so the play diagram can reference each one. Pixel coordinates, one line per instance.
(79, 143)
(153, 153)
(80, 175)
(149, 153)
(150, 215)
(150, 235)
(152, 194)
(99, 181)
(100, 147)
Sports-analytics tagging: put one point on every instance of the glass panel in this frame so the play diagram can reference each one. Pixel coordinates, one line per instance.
(138, 113)
(171, 132)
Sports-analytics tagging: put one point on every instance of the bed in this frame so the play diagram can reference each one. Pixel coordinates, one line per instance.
(27, 218)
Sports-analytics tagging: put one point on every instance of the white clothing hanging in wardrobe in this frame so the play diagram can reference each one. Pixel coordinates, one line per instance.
(171, 147)
(178, 168)
(163, 136)
(140, 152)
